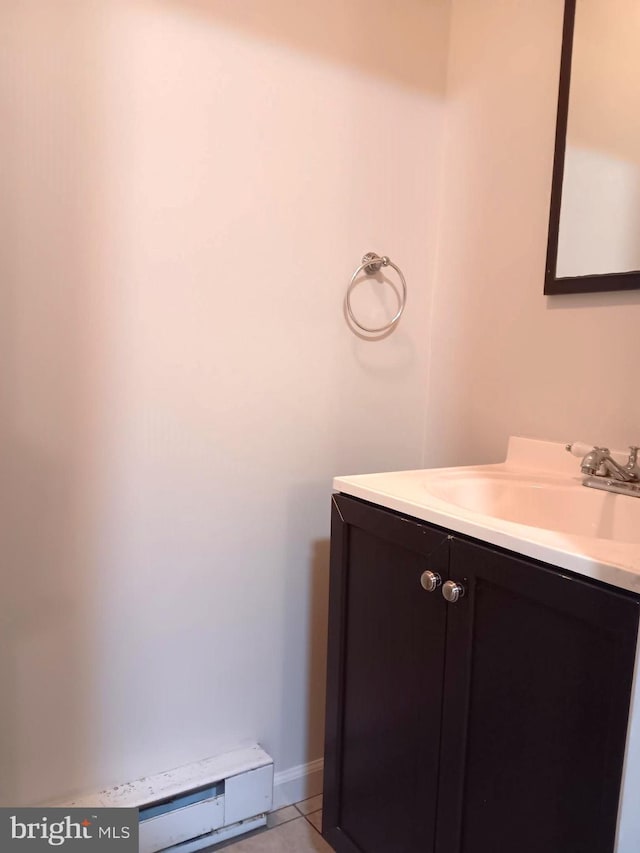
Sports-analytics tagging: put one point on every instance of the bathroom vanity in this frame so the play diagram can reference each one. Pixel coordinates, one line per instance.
(481, 684)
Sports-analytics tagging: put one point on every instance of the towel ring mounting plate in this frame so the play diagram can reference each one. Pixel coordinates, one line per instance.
(371, 264)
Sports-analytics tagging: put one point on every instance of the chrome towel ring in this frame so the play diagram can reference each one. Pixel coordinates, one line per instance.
(371, 264)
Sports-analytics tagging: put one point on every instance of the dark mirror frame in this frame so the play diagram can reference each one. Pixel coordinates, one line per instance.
(579, 283)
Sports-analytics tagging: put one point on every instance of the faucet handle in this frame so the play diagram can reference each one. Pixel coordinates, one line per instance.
(580, 449)
(632, 463)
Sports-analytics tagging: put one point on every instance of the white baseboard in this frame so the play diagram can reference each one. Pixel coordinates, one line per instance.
(297, 783)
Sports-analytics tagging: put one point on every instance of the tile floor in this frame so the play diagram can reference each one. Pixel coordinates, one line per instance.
(294, 829)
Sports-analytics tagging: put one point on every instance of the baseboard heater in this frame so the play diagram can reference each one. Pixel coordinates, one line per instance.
(199, 804)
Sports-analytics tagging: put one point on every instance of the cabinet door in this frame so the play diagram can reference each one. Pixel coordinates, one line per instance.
(537, 690)
(384, 681)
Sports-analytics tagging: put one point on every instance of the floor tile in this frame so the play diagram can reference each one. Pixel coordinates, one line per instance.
(310, 805)
(282, 816)
(295, 836)
(315, 819)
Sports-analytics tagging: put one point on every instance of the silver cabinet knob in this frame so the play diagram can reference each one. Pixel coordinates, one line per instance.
(430, 581)
(452, 591)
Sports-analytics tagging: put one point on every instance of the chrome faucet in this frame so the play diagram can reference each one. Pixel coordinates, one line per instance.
(603, 472)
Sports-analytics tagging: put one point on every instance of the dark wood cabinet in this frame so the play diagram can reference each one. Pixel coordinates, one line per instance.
(496, 723)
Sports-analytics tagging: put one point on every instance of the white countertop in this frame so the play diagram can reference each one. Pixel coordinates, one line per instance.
(543, 466)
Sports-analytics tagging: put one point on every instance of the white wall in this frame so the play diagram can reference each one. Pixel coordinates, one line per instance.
(187, 186)
(506, 359)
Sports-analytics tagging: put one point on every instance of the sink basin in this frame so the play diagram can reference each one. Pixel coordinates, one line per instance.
(552, 503)
(533, 503)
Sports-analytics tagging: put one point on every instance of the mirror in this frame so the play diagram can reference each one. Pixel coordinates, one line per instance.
(594, 226)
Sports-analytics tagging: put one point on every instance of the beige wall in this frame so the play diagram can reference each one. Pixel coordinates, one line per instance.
(605, 79)
(187, 186)
(504, 358)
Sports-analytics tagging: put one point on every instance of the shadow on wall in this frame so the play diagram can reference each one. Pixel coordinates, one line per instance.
(48, 390)
(317, 648)
(305, 618)
(400, 42)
